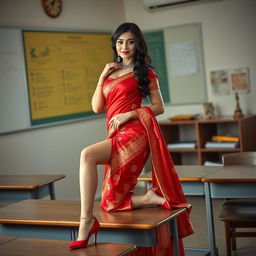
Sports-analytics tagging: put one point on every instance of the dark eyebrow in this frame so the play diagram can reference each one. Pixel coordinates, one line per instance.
(120, 39)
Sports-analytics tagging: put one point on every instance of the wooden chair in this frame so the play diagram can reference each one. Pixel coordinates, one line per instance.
(238, 213)
(242, 158)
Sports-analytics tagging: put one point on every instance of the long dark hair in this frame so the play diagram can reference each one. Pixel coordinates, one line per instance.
(142, 60)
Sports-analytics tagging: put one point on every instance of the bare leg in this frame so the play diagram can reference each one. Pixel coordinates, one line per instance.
(91, 156)
(148, 199)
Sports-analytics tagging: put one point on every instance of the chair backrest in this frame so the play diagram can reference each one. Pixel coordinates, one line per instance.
(242, 158)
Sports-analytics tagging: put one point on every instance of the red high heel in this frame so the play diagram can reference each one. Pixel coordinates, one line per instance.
(165, 204)
(83, 243)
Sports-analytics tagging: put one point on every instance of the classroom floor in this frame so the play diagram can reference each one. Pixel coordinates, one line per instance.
(245, 246)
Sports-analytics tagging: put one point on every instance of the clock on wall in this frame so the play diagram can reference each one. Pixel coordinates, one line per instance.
(52, 7)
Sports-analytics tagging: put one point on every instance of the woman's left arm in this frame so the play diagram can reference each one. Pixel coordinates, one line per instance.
(157, 106)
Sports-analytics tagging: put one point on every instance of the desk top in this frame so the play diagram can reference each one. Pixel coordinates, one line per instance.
(5, 239)
(66, 213)
(232, 173)
(186, 172)
(41, 247)
(21, 182)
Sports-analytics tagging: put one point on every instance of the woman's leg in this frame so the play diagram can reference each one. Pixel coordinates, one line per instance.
(91, 156)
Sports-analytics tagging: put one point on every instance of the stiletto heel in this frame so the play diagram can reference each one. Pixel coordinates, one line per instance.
(95, 237)
(83, 243)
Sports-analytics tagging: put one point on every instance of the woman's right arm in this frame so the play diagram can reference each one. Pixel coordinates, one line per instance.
(98, 102)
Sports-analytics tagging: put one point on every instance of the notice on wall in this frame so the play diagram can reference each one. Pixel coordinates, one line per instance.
(184, 59)
(62, 72)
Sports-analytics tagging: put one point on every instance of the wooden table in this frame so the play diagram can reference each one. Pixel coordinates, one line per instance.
(190, 177)
(15, 246)
(20, 187)
(54, 219)
(5, 239)
(227, 182)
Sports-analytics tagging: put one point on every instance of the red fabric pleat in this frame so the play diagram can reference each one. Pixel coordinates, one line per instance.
(164, 176)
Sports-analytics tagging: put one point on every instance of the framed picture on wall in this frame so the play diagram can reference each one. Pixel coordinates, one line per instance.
(219, 82)
(239, 80)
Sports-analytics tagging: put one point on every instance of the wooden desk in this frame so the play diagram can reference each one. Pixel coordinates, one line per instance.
(15, 246)
(227, 182)
(60, 220)
(20, 187)
(190, 177)
(5, 239)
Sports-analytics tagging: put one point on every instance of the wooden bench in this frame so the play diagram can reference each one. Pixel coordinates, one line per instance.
(20, 187)
(54, 219)
(15, 246)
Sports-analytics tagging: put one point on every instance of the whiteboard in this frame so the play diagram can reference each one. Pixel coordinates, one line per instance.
(185, 64)
(14, 111)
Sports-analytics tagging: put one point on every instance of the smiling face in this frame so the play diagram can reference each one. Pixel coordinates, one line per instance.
(125, 47)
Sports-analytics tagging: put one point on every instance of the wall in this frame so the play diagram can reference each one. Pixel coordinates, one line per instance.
(56, 149)
(229, 42)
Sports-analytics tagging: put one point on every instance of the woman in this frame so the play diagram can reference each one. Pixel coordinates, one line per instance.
(121, 88)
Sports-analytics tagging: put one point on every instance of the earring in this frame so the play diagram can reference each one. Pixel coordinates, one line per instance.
(118, 59)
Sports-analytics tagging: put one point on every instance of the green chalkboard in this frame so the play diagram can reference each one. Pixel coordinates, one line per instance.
(155, 42)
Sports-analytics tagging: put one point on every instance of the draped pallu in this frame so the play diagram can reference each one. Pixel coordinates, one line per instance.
(131, 145)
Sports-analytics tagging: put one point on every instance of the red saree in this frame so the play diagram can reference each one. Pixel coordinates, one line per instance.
(131, 145)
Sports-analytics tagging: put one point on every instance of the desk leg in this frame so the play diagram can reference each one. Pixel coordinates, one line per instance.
(210, 222)
(175, 237)
(52, 192)
(73, 233)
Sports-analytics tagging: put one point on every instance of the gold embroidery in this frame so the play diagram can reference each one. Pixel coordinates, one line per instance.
(109, 204)
(132, 149)
(134, 168)
(145, 119)
(116, 177)
(118, 197)
(154, 84)
(111, 84)
(133, 106)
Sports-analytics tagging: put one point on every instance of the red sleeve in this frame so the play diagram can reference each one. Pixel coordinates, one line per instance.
(153, 79)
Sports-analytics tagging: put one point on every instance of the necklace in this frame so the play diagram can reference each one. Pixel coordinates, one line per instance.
(127, 66)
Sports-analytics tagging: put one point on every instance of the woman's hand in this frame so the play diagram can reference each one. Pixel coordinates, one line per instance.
(98, 102)
(109, 68)
(119, 119)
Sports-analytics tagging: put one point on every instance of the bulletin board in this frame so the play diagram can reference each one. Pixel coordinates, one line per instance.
(62, 71)
(180, 57)
(48, 77)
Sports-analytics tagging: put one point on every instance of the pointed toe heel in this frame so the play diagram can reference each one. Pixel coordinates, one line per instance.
(83, 243)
